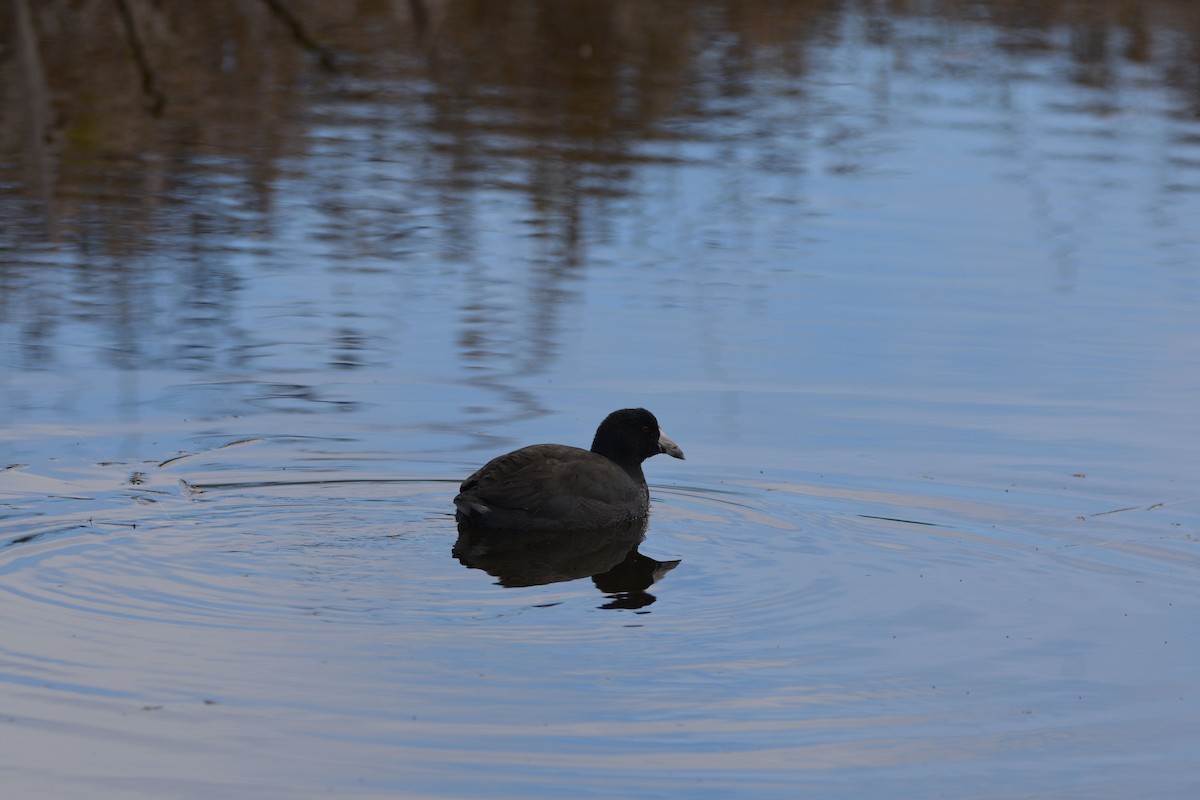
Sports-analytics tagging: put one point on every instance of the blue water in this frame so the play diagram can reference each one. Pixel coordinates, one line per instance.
(917, 298)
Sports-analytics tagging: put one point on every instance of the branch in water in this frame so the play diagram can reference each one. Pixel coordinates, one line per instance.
(158, 100)
(301, 35)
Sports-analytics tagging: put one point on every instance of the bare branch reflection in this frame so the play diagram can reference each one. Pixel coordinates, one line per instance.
(491, 146)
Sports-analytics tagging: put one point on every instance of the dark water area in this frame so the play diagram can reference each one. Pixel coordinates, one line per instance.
(915, 285)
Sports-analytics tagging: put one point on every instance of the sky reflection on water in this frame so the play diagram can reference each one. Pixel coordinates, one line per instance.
(915, 287)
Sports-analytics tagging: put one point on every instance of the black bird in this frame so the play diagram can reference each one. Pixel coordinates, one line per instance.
(555, 487)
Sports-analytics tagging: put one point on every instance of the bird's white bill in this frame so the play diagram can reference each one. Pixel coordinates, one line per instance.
(666, 445)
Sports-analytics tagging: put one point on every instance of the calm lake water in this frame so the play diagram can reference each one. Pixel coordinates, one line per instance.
(916, 287)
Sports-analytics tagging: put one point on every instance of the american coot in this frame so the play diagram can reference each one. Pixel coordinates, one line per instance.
(554, 487)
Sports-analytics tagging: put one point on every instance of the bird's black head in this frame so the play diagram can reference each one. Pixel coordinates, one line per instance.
(632, 435)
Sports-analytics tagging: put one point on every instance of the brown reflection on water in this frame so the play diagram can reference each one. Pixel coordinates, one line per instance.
(148, 128)
(126, 96)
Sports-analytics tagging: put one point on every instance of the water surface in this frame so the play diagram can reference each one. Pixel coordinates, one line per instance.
(916, 291)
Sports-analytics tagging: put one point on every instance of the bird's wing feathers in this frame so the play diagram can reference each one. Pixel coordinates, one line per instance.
(549, 480)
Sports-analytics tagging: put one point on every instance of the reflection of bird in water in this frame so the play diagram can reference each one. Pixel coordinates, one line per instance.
(608, 556)
(554, 487)
(627, 582)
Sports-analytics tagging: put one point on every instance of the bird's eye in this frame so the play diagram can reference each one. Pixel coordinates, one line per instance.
(645, 429)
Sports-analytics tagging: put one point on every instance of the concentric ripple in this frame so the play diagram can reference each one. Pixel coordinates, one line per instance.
(783, 621)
